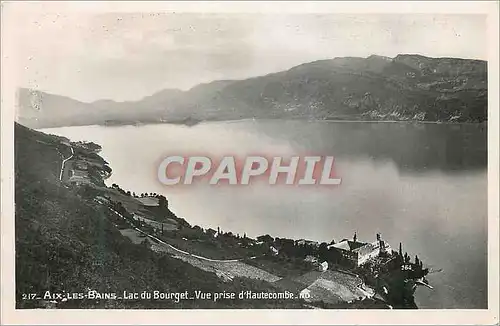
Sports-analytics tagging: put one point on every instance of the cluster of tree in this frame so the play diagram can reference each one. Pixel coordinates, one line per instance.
(231, 239)
(118, 206)
(135, 221)
(297, 249)
(123, 192)
(87, 192)
(98, 174)
(198, 233)
(90, 146)
(163, 202)
(413, 269)
(145, 194)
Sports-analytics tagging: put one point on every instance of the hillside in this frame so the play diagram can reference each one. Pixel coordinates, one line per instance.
(66, 243)
(407, 87)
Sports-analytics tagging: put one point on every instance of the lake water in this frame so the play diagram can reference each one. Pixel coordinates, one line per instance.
(424, 185)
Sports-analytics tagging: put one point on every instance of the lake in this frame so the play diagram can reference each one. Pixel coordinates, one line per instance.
(424, 185)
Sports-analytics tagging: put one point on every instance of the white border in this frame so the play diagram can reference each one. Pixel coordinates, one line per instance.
(15, 10)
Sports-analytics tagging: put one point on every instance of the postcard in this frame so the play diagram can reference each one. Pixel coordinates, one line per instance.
(250, 162)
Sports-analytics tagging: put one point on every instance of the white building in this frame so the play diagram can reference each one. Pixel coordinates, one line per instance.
(274, 251)
(79, 180)
(323, 267)
(358, 253)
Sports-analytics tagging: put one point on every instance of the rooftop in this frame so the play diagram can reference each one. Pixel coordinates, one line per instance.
(349, 245)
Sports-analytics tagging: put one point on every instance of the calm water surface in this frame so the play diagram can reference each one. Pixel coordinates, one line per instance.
(424, 185)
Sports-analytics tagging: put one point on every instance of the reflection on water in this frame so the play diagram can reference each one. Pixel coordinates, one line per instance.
(424, 185)
(412, 147)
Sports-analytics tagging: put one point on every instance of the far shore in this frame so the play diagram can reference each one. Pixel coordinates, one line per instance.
(141, 124)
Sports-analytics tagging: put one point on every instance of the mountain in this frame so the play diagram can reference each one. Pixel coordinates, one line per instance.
(41, 110)
(407, 87)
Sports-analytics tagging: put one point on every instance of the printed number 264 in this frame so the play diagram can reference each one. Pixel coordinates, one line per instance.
(406, 267)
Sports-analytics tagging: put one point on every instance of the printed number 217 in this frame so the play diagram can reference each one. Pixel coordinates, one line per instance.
(29, 296)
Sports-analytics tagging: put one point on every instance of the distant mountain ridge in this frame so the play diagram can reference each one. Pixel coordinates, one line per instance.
(407, 88)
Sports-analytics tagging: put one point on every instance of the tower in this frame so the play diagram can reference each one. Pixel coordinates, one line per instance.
(381, 243)
(382, 248)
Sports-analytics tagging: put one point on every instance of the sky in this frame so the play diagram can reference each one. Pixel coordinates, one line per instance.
(126, 56)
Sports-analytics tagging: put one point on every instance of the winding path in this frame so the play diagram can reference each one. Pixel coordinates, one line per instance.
(64, 162)
(182, 251)
(187, 253)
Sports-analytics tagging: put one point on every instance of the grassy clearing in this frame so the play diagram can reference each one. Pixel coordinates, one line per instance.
(283, 267)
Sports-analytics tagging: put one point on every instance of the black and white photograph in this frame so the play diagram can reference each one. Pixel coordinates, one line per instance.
(299, 159)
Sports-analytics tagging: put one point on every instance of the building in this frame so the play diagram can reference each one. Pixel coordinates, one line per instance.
(323, 266)
(80, 165)
(304, 242)
(211, 232)
(79, 180)
(79, 173)
(358, 253)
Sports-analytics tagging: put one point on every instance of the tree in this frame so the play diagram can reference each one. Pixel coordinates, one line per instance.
(162, 201)
(400, 249)
(323, 251)
(407, 258)
(265, 238)
(146, 243)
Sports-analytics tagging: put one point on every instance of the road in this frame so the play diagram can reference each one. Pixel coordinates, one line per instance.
(227, 269)
(187, 253)
(179, 250)
(64, 162)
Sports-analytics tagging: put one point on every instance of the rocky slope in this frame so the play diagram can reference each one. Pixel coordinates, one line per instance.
(407, 87)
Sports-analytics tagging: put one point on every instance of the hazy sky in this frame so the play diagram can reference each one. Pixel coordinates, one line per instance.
(129, 56)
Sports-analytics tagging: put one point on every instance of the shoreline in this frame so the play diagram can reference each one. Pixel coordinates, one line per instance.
(202, 122)
(268, 257)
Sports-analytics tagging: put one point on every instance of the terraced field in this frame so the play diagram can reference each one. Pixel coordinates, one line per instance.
(334, 287)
